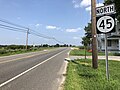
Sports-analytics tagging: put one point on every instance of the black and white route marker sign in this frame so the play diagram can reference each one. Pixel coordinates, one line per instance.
(105, 24)
(105, 20)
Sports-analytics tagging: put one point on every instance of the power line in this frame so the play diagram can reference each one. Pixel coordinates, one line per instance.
(58, 41)
(44, 36)
(32, 31)
(39, 34)
(20, 29)
(12, 27)
(5, 21)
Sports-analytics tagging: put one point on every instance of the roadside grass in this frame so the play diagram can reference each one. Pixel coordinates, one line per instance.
(81, 52)
(5, 52)
(81, 76)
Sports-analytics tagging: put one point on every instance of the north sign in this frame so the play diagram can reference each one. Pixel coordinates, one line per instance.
(109, 9)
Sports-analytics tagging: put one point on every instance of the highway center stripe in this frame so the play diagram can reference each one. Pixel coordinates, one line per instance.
(6, 82)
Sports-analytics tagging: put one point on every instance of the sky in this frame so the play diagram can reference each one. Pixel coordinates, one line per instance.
(62, 19)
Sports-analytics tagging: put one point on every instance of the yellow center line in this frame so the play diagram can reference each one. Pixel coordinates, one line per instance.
(23, 57)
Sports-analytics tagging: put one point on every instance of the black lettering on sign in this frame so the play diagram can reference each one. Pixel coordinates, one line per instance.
(101, 10)
(105, 10)
(105, 24)
(111, 8)
(102, 24)
(109, 24)
(97, 11)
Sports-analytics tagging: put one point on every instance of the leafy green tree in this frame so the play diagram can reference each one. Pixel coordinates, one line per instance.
(88, 30)
(117, 7)
(85, 42)
(86, 39)
(57, 45)
(45, 45)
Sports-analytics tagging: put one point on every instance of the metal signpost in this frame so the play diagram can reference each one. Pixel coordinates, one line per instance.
(105, 24)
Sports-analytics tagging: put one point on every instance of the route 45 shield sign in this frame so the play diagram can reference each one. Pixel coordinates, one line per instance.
(105, 24)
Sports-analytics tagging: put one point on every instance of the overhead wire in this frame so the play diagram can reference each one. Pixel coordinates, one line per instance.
(24, 30)
(12, 27)
(44, 36)
(5, 21)
(33, 33)
(40, 34)
(58, 41)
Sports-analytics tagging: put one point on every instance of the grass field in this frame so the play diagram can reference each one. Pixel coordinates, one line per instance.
(81, 52)
(81, 76)
(5, 52)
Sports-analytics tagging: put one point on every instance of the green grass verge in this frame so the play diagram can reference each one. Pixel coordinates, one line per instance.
(13, 52)
(81, 76)
(81, 52)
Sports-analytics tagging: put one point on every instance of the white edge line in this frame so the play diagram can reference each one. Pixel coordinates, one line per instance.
(6, 82)
(64, 72)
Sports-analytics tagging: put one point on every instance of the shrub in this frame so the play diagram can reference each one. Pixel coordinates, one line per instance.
(116, 54)
(3, 51)
(81, 47)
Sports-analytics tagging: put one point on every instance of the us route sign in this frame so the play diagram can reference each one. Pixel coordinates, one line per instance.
(105, 24)
(109, 9)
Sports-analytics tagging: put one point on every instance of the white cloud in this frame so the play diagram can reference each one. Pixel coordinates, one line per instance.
(37, 25)
(76, 6)
(88, 8)
(76, 3)
(85, 3)
(97, 5)
(49, 27)
(34, 25)
(73, 30)
(76, 37)
(79, 3)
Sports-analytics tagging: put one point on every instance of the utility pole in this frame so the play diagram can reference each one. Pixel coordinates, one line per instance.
(27, 39)
(94, 35)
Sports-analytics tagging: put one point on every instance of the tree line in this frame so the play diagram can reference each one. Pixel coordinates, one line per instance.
(31, 46)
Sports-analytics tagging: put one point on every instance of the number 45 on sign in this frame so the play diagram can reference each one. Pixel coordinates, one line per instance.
(105, 24)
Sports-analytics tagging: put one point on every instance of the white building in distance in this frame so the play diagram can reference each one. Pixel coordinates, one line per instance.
(112, 38)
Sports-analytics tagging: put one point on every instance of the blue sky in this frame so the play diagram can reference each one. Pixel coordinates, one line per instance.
(63, 19)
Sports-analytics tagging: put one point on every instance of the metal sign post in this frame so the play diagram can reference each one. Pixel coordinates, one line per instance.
(106, 54)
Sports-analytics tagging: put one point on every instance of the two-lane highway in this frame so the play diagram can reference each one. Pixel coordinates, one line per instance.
(36, 71)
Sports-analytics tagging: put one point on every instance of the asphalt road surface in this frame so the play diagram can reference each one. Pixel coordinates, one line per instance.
(33, 71)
